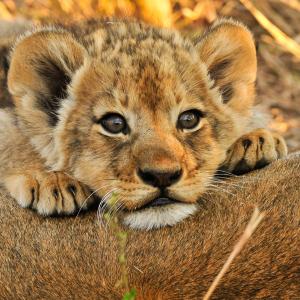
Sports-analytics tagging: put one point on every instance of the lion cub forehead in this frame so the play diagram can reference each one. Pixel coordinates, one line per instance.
(121, 41)
(141, 84)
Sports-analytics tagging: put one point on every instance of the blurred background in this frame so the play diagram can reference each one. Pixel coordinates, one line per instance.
(275, 24)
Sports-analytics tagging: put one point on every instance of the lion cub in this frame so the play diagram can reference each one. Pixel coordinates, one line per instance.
(127, 109)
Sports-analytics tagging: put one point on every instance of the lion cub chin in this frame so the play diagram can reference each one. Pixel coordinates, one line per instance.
(121, 107)
(151, 218)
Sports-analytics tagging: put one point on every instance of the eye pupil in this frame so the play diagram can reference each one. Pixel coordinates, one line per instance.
(189, 119)
(113, 123)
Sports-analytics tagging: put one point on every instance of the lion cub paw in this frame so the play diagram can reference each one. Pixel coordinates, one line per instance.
(254, 151)
(49, 193)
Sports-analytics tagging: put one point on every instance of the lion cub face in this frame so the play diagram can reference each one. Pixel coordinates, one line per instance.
(137, 111)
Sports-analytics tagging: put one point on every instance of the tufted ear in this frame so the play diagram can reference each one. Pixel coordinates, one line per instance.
(41, 67)
(228, 50)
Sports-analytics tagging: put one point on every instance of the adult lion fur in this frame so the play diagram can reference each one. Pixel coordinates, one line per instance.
(77, 258)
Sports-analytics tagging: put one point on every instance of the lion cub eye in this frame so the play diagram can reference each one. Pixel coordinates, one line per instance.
(114, 123)
(189, 119)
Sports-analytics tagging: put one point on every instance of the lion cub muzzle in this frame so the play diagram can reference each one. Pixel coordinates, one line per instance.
(158, 178)
(161, 180)
(161, 168)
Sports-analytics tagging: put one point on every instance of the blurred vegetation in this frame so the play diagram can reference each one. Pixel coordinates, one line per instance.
(167, 13)
(275, 24)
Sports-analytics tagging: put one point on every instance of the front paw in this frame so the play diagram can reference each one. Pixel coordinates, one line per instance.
(254, 151)
(49, 193)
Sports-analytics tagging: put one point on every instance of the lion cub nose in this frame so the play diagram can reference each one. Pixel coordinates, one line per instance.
(158, 178)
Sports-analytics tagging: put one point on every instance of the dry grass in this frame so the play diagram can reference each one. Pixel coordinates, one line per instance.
(250, 228)
(168, 13)
(283, 39)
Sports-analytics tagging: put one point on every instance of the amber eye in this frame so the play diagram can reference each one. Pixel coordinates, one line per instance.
(114, 123)
(189, 119)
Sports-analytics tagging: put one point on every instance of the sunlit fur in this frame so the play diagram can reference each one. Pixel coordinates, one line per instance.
(64, 79)
(80, 259)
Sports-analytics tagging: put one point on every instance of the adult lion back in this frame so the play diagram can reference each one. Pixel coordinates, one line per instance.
(77, 258)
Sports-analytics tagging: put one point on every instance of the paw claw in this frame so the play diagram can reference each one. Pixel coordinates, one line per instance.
(246, 143)
(49, 193)
(254, 151)
(72, 189)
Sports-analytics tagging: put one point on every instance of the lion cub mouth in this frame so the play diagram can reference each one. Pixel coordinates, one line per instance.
(159, 201)
(159, 212)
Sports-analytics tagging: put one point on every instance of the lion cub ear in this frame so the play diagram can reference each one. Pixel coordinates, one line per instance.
(228, 50)
(42, 65)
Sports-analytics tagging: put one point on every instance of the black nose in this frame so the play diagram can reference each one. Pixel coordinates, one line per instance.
(158, 178)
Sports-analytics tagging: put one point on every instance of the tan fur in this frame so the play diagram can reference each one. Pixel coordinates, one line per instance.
(64, 79)
(77, 258)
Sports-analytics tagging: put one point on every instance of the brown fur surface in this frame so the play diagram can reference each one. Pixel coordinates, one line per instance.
(76, 258)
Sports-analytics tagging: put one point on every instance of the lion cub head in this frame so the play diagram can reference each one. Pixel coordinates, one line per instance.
(135, 110)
